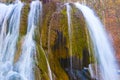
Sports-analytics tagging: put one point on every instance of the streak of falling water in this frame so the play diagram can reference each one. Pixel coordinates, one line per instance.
(48, 65)
(49, 69)
(103, 49)
(8, 37)
(4, 18)
(69, 32)
(3, 9)
(25, 64)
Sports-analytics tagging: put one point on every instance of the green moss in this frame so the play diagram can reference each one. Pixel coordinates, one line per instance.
(41, 63)
(90, 48)
(51, 21)
(64, 12)
(54, 29)
(59, 73)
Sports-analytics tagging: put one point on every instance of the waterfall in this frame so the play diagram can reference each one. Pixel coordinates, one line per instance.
(19, 64)
(25, 65)
(3, 9)
(69, 32)
(9, 32)
(103, 49)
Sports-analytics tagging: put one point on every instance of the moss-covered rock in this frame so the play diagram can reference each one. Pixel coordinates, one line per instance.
(49, 29)
(41, 70)
(24, 19)
(55, 40)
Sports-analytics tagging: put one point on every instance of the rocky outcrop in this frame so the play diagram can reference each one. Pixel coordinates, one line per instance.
(55, 41)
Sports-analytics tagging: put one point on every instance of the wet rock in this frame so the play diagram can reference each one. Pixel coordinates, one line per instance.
(76, 62)
(79, 74)
(85, 59)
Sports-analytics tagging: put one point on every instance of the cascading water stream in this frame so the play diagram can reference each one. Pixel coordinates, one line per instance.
(3, 9)
(69, 32)
(9, 23)
(102, 46)
(12, 34)
(4, 25)
(28, 47)
(8, 37)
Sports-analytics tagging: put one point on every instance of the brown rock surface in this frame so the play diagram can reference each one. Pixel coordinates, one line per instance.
(112, 23)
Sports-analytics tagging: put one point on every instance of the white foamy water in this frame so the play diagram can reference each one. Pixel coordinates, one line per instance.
(3, 9)
(9, 32)
(102, 46)
(9, 25)
(25, 64)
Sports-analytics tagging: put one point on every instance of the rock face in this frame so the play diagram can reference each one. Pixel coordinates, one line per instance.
(55, 40)
(112, 23)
